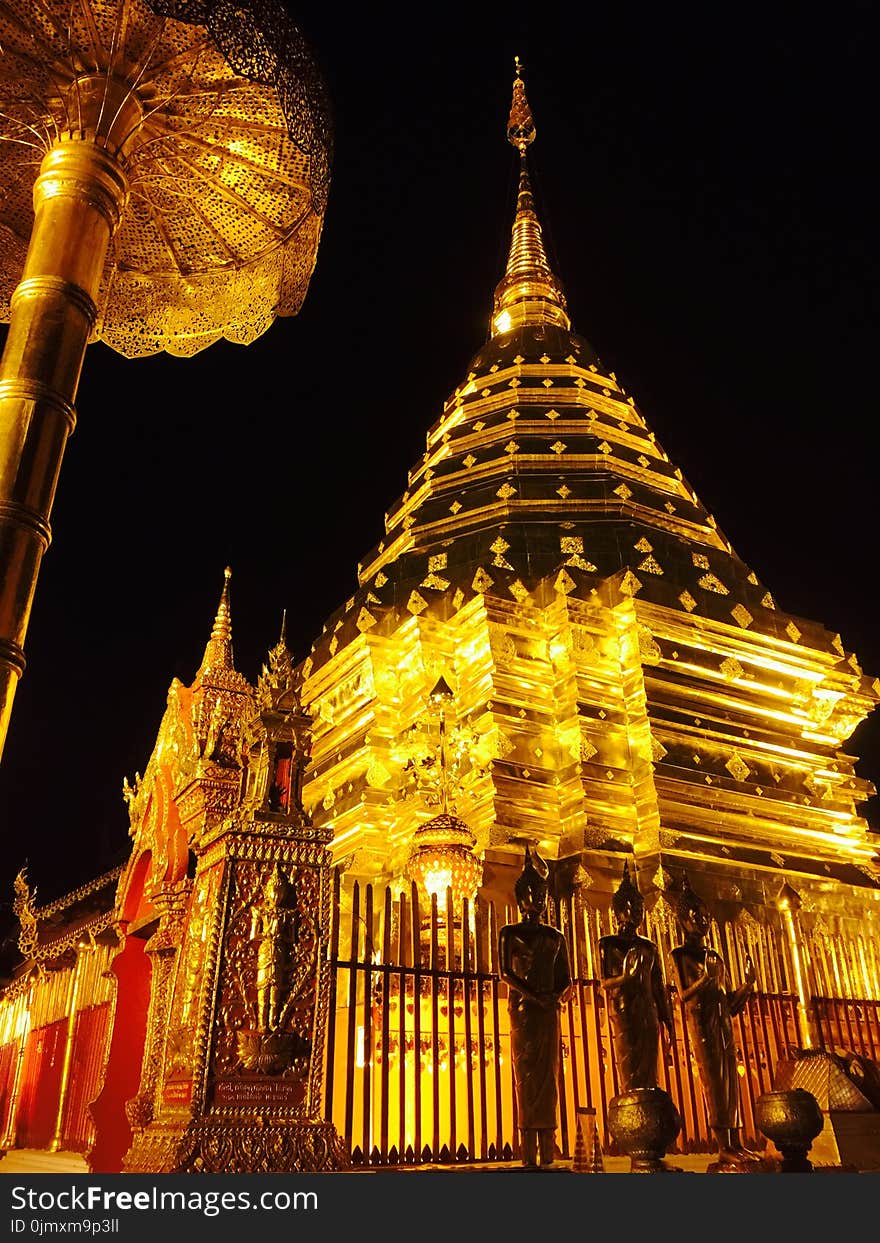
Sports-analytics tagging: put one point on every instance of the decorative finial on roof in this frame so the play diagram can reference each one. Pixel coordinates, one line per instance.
(520, 126)
(218, 652)
(529, 292)
(278, 672)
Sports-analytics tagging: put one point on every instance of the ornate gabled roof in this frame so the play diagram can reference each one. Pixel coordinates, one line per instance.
(53, 930)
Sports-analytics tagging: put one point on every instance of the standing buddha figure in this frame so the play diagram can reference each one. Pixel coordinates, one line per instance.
(633, 984)
(710, 1006)
(534, 964)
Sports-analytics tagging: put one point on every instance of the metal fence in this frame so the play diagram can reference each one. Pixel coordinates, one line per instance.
(418, 1057)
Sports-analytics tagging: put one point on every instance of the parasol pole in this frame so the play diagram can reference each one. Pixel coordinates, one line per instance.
(79, 196)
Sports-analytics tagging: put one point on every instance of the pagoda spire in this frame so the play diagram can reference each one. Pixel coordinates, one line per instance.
(218, 652)
(529, 292)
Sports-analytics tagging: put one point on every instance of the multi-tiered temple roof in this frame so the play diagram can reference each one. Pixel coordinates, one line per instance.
(633, 680)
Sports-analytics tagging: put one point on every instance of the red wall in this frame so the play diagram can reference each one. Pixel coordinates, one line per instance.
(41, 1085)
(87, 1063)
(123, 1075)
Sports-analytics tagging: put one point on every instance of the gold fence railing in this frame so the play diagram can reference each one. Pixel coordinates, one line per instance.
(418, 1051)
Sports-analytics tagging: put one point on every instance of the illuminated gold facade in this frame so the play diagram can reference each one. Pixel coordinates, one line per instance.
(630, 683)
(553, 644)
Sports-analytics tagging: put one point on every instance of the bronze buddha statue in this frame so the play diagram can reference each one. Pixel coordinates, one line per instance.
(710, 1007)
(633, 985)
(534, 964)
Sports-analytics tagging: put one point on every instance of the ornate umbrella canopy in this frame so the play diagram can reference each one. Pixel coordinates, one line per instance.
(224, 123)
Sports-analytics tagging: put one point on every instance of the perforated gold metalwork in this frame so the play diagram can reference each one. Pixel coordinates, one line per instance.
(228, 171)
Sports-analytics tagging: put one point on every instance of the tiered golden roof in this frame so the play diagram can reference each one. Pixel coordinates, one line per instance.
(632, 680)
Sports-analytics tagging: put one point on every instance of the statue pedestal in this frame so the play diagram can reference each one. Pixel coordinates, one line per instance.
(246, 1146)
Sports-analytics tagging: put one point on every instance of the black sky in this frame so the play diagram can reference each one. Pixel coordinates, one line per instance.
(706, 180)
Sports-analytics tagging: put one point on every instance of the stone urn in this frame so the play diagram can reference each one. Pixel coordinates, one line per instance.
(643, 1123)
(791, 1119)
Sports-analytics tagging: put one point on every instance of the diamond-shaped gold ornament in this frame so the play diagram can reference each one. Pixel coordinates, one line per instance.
(629, 584)
(587, 750)
(737, 767)
(709, 582)
(731, 668)
(481, 580)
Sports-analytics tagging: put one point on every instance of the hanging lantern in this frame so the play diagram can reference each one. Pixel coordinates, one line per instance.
(443, 858)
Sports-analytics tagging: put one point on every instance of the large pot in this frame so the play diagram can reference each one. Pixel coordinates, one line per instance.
(791, 1119)
(644, 1123)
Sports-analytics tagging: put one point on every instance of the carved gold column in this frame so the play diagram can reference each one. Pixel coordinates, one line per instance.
(163, 949)
(788, 903)
(79, 197)
(24, 1002)
(72, 1001)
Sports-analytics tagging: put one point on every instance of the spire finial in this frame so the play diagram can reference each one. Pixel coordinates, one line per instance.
(218, 652)
(529, 292)
(282, 638)
(520, 125)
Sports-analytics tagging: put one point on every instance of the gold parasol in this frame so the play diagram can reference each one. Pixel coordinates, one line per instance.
(164, 170)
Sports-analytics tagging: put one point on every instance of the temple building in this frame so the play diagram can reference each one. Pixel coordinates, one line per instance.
(629, 682)
(553, 646)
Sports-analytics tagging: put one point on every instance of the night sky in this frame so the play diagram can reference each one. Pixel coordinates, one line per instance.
(706, 182)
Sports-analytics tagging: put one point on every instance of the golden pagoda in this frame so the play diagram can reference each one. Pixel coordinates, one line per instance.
(629, 682)
(552, 646)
